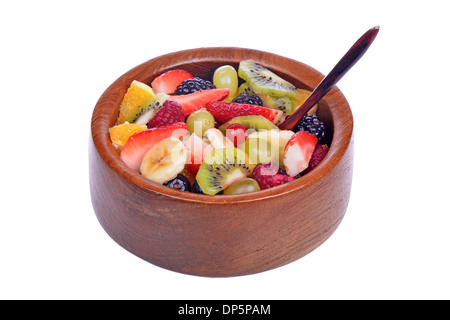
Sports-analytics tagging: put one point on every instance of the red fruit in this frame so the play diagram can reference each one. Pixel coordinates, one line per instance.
(225, 111)
(170, 112)
(319, 153)
(197, 150)
(298, 151)
(169, 81)
(139, 143)
(197, 100)
(269, 175)
(236, 133)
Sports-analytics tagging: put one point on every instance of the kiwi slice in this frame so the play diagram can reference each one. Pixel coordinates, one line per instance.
(146, 111)
(264, 82)
(222, 167)
(286, 104)
(245, 88)
(250, 122)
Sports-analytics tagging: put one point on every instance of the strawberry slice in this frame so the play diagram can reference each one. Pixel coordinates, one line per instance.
(197, 100)
(139, 143)
(225, 111)
(298, 152)
(169, 81)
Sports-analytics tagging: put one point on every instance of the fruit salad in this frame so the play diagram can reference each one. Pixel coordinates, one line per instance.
(219, 135)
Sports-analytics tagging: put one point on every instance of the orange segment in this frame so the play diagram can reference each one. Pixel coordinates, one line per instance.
(120, 133)
(136, 95)
(304, 94)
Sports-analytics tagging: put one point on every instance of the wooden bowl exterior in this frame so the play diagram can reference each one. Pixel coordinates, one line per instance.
(220, 236)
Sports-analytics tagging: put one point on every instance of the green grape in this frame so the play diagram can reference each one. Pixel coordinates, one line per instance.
(200, 121)
(226, 77)
(260, 151)
(244, 185)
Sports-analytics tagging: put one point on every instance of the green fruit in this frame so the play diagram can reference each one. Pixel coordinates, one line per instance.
(146, 111)
(250, 122)
(286, 104)
(226, 77)
(262, 81)
(260, 151)
(245, 88)
(222, 167)
(241, 186)
(200, 121)
(278, 139)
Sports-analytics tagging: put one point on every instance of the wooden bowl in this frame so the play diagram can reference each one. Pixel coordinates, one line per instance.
(220, 235)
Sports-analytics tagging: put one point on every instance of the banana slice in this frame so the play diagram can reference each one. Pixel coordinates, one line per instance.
(164, 160)
(217, 139)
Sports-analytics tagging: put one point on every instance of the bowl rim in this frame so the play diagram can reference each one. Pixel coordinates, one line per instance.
(112, 96)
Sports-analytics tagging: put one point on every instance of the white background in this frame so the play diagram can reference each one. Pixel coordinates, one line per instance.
(58, 57)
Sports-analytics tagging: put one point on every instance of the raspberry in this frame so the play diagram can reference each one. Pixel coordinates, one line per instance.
(245, 98)
(320, 151)
(270, 175)
(170, 112)
(311, 124)
(192, 85)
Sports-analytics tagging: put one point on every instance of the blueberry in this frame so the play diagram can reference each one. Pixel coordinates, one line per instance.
(180, 183)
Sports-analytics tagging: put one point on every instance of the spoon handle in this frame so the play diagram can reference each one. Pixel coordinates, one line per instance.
(346, 63)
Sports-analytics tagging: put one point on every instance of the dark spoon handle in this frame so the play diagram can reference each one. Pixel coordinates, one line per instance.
(346, 63)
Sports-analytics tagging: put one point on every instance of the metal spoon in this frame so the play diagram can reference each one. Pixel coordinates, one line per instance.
(341, 68)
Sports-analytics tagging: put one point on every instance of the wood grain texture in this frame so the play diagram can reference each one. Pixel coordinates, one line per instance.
(220, 236)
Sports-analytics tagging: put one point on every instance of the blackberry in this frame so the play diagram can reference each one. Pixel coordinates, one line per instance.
(245, 98)
(196, 188)
(192, 85)
(180, 183)
(311, 124)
